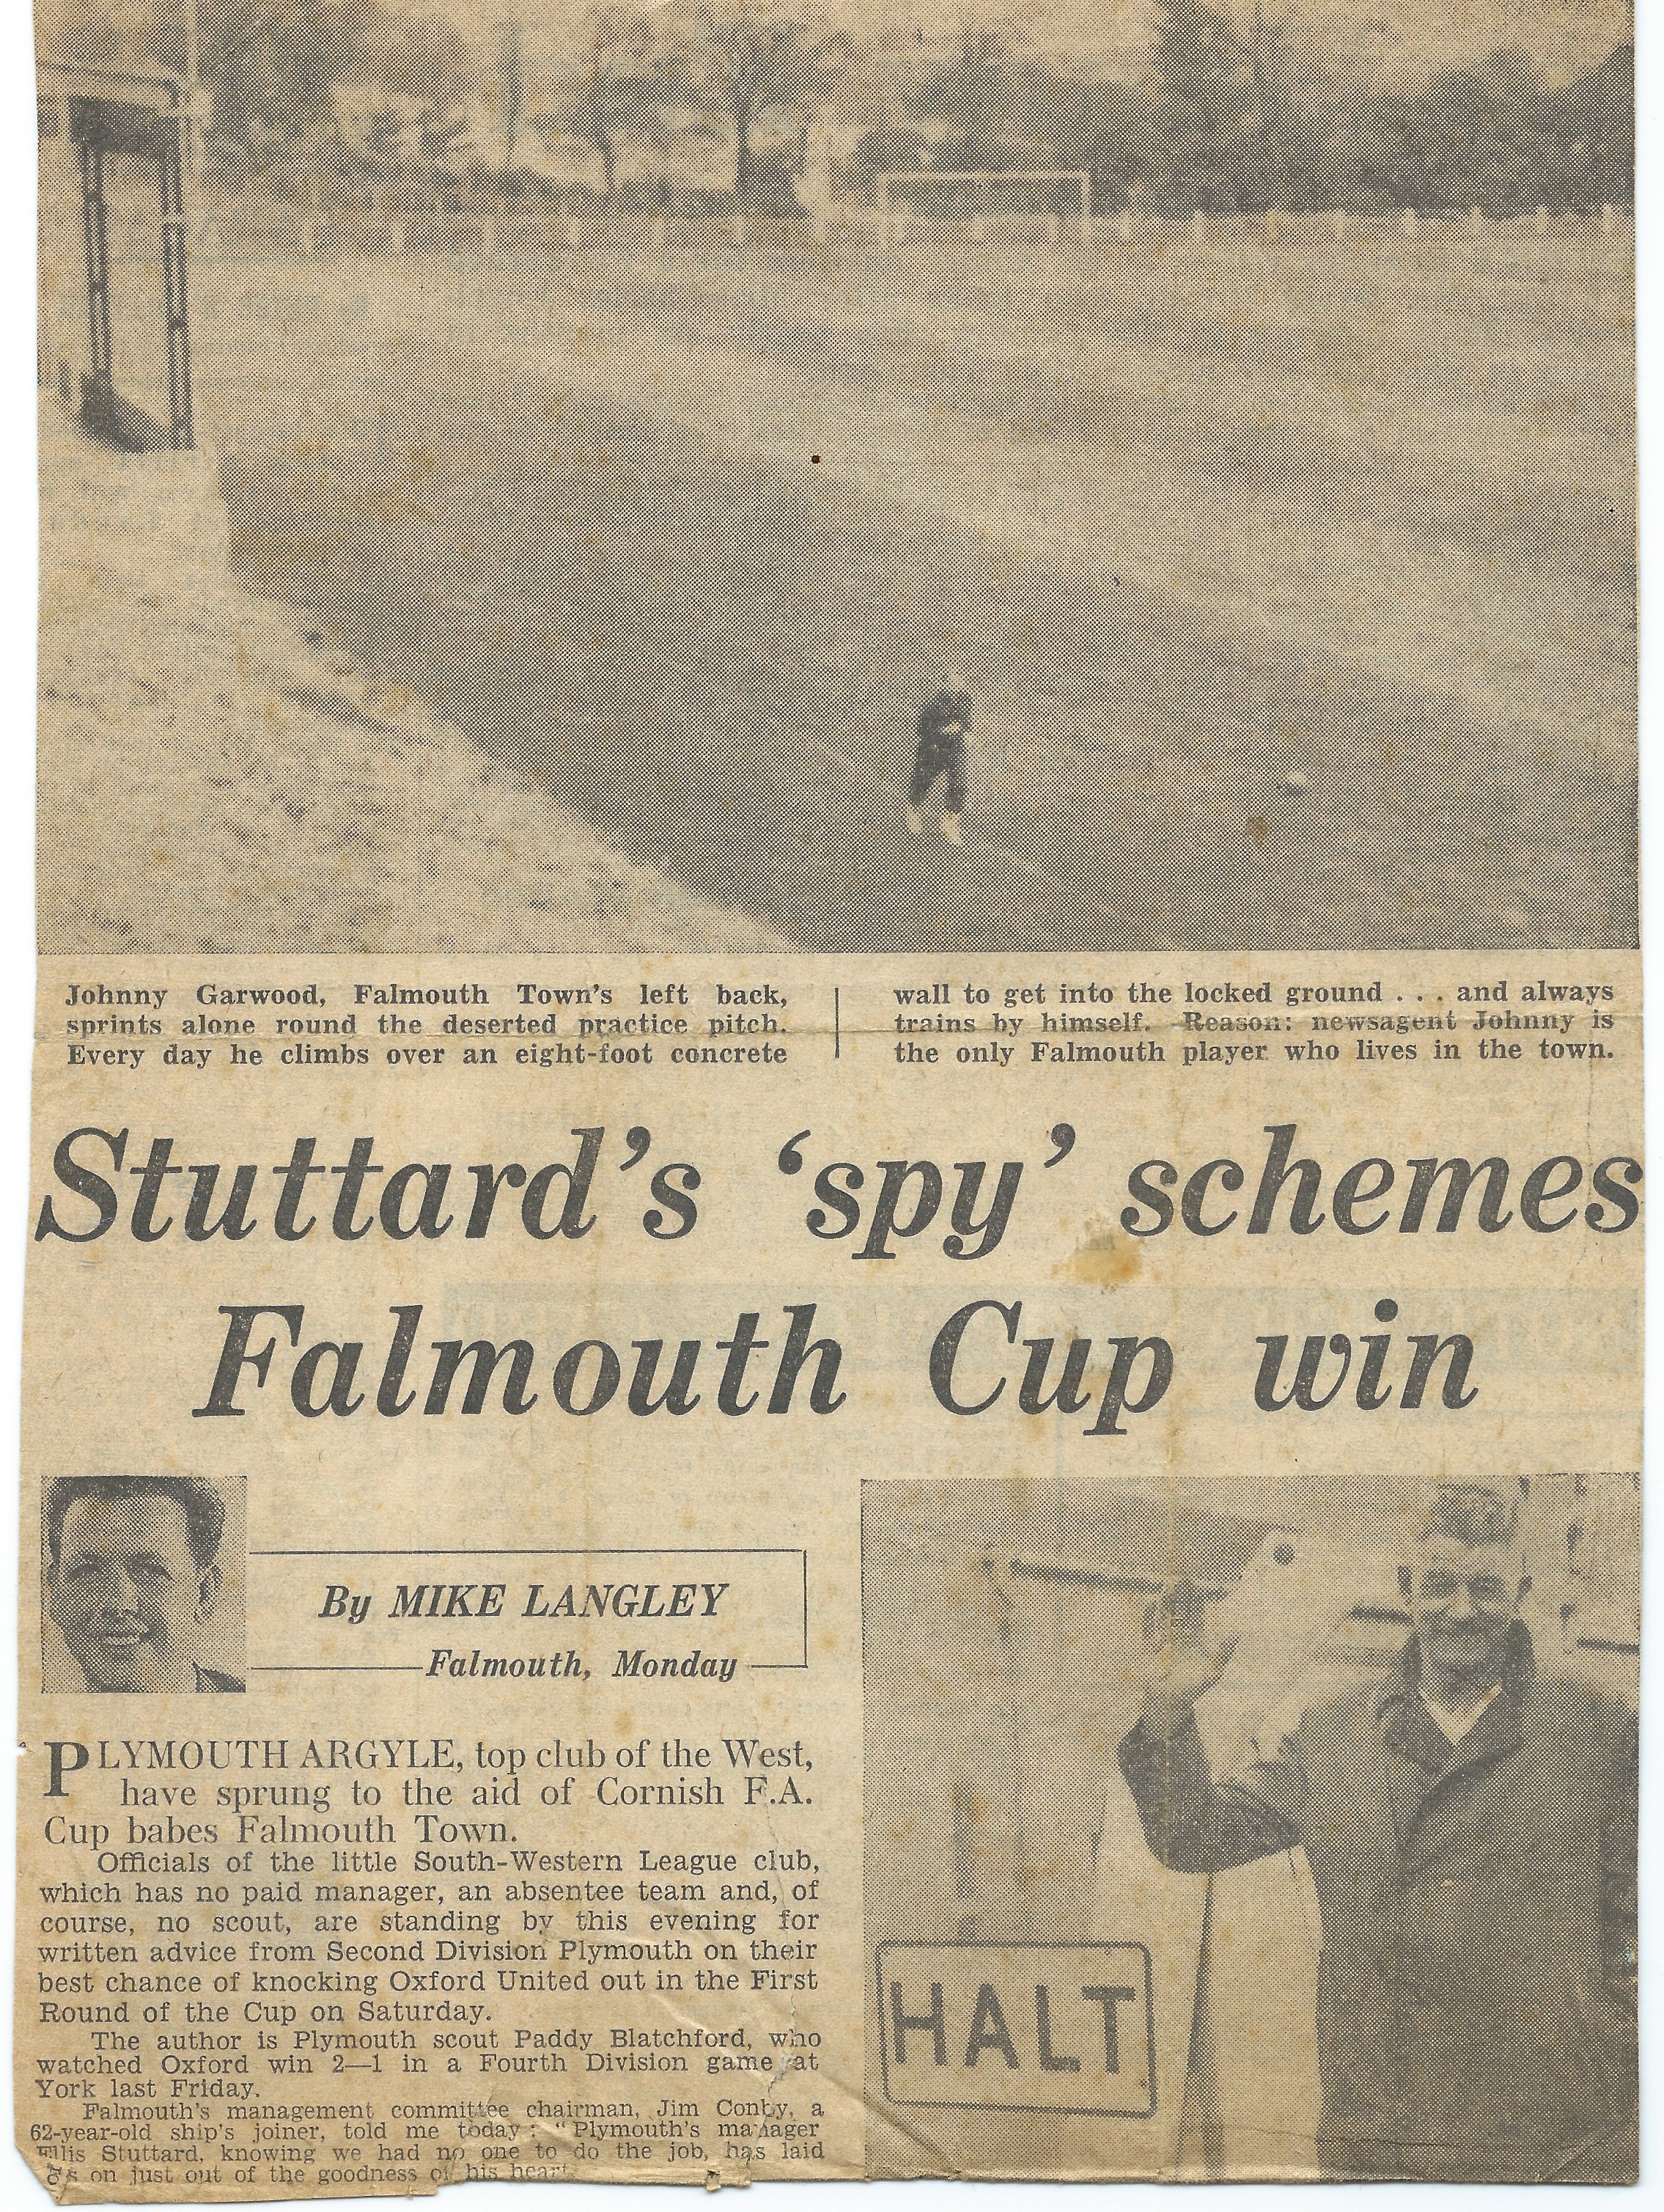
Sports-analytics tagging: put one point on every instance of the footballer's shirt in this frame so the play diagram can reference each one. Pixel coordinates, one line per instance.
(945, 722)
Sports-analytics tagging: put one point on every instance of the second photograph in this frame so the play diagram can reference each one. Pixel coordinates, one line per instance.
(1276, 1829)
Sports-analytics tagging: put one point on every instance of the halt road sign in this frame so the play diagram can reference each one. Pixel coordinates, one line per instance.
(1035, 2027)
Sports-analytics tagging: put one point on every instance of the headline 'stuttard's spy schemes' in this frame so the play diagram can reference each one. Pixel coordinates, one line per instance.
(833, 1323)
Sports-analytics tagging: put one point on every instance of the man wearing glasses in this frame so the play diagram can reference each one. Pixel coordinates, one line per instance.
(1471, 1832)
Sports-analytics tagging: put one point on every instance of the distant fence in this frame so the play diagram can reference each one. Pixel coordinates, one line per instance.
(277, 229)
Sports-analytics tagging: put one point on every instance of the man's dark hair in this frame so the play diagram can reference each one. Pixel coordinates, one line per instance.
(1471, 1513)
(200, 1503)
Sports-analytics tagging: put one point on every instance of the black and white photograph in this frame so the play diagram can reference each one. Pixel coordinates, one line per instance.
(145, 1583)
(754, 477)
(1350, 1760)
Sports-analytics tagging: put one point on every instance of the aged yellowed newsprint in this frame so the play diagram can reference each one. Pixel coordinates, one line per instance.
(833, 1355)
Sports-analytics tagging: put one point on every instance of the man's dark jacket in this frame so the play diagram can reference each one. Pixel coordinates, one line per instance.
(1476, 1993)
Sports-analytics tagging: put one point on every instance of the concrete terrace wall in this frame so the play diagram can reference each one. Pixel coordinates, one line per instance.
(191, 734)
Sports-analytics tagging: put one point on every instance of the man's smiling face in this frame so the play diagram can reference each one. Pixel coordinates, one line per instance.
(1464, 1599)
(129, 1595)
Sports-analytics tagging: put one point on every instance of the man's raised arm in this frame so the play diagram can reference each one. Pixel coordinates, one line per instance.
(1192, 1823)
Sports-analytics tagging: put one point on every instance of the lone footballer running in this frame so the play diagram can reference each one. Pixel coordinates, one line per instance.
(943, 727)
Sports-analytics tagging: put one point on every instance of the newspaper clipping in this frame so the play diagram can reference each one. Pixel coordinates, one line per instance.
(836, 1184)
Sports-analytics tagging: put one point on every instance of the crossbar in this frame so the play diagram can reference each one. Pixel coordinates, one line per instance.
(985, 178)
(990, 176)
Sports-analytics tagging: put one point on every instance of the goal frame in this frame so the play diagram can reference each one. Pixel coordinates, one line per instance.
(888, 211)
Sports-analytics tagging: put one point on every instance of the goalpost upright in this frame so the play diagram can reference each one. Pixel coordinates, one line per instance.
(982, 179)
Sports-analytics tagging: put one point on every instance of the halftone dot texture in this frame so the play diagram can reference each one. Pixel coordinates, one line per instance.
(1292, 570)
(1477, 1902)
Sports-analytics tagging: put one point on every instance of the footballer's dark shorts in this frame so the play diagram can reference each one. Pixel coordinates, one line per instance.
(945, 757)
